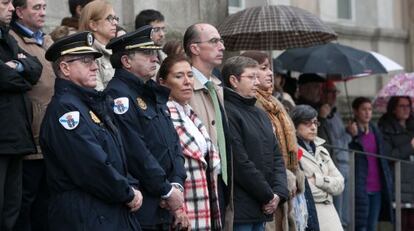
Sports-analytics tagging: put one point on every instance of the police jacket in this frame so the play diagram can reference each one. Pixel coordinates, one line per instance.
(15, 108)
(85, 163)
(150, 140)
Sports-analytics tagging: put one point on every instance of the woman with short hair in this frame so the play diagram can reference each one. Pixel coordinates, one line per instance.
(260, 176)
(323, 177)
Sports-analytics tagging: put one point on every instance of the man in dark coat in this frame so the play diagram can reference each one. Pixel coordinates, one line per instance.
(151, 142)
(18, 73)
(85, 163)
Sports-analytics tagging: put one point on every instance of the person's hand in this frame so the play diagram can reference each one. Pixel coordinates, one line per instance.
(412, 142)
(352, 128)
(271, 206)
(312, 179)
(175, 200)
(136, 202)
(324, 110)
(181, 220)
(11, 64)
(21, 56)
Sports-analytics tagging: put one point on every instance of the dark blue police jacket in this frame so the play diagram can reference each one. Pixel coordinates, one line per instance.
(150, 141)
(85, 163)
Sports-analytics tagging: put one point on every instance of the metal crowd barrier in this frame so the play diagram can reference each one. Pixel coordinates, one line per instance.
(351, 183)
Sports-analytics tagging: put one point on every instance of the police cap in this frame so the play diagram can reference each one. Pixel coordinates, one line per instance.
(139, 39)
(75, 44)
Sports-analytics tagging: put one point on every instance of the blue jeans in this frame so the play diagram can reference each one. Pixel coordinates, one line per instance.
(374, 208)
(249, 227)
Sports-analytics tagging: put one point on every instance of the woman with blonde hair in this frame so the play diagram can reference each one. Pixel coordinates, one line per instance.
(99, 17)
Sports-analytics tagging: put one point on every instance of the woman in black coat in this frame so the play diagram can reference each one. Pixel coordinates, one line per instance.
(397, 126)
(259, 172)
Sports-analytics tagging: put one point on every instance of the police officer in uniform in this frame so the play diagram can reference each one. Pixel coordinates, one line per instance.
(85, 162)
(150, 140)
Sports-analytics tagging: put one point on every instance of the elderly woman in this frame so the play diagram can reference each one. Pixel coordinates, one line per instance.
(99, 17)
(373, 181)
(260, 176)
(324, 178)
(202, 161)
(283, 129)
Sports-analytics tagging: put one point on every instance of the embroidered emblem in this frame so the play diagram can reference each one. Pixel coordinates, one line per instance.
(70, 120)
(94, 118)
(141, 103)
(121, 105)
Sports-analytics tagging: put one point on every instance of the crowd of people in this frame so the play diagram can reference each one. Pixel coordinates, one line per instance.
(105, 129)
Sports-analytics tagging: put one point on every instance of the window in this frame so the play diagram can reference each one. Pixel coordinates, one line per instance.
(345, 9)
(236, 5)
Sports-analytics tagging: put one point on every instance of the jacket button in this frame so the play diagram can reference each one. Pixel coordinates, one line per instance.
(213, 122)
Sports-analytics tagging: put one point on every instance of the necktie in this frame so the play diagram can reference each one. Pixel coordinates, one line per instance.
(219, 128)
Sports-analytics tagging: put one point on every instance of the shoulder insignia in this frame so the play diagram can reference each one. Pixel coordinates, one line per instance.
(70, 120)
(141, 103)
(121, 105)
(94, 117)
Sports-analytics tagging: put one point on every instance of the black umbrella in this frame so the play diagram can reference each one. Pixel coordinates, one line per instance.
(331, 59)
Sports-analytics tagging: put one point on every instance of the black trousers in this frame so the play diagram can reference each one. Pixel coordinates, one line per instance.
(33, 212)
(10, 190)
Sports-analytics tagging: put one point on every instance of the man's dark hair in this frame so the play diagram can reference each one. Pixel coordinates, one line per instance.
(18, 3)
(75, 3)
(190, 36)
(145, 17)
(359, 101)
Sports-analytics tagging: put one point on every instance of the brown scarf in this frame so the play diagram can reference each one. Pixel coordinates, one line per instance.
(282, 126)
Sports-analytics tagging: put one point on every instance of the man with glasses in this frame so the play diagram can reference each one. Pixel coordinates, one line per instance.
(18, 73)
(150, 140)
(27, 23)
(155, 19)
(204, 46)
(85, 162)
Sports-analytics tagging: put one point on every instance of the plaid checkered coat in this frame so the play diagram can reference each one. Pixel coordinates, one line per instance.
(200, 188)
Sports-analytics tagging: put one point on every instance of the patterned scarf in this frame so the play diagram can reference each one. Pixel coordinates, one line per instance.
(282, 126)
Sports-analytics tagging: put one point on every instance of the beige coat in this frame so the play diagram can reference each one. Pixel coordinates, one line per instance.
(105, 69)
(43, 90)
(328, 182)
(203, 106)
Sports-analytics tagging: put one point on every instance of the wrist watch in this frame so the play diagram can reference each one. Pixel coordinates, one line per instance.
(178, 186)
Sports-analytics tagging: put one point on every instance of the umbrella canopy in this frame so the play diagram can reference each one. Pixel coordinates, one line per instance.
(389, 64)
(400, 85)
(331, 59)
(274, 27)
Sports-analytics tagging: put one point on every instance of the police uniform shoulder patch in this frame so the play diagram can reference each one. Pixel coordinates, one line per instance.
(121, 105)
(141, 103)
(70, 120)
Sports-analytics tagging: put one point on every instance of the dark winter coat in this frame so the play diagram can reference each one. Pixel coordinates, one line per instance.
(361, 172)
(258, 164)
(397, 142)
(15, 108)
(152, 145)
(85, 162)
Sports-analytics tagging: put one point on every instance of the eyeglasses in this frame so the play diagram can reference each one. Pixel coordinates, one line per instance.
(309, 123)
(112, 19)
(213, 41)
(404, 106)
(87, 60)
(158, 29)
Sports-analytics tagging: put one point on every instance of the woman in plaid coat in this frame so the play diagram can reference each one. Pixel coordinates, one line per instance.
(202, 162)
